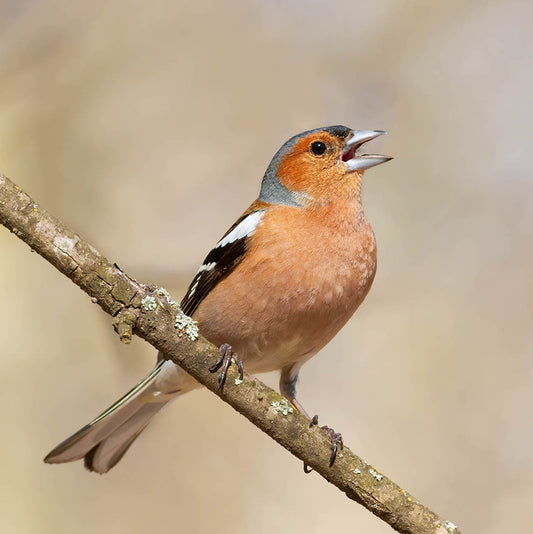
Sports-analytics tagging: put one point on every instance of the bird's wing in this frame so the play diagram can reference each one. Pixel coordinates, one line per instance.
(223, 258)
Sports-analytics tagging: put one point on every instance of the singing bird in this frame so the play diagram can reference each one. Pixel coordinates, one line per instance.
(274, 290)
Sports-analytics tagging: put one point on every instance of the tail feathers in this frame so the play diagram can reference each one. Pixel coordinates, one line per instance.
(106, 454)
(104, 441)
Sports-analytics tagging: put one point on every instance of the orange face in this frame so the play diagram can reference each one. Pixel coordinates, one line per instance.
(316, 167)
(319, 166)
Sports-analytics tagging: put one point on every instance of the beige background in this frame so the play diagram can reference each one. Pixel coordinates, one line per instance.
(146, 126)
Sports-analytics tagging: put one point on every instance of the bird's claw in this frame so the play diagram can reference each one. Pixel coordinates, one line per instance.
(225, 357)
(336, 442)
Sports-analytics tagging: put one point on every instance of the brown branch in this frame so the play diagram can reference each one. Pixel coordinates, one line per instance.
(152, 315)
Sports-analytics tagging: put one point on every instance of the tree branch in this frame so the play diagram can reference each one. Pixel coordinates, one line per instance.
(151, 314)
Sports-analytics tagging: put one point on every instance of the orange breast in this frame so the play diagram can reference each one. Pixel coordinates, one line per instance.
(305, 273)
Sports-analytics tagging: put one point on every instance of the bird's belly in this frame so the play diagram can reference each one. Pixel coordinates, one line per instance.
(277, 321)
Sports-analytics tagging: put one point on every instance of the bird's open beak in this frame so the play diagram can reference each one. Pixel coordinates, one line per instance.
(364, 161)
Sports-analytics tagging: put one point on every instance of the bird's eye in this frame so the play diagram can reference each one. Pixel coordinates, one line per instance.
(318, 148)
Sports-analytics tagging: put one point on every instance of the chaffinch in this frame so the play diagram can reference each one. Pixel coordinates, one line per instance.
(274, 290)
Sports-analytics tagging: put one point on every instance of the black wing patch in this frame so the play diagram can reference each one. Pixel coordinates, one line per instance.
(217, 265)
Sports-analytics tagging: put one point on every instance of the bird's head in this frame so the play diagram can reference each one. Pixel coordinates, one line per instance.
(319, 164)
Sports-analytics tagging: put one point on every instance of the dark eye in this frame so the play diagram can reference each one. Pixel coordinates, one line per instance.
(318, 148)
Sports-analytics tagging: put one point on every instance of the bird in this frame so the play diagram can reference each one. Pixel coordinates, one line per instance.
(273, 291)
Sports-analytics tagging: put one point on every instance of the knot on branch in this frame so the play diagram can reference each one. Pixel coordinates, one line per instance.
(124, 322)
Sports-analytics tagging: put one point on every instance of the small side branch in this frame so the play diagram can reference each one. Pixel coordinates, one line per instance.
(151, 314)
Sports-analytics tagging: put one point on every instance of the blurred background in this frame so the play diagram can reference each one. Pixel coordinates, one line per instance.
(146, 127)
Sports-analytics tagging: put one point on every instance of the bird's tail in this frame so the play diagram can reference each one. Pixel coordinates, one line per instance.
(104, 441)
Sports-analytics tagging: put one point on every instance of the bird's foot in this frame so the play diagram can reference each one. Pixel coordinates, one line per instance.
(225, 357)
(336, 442)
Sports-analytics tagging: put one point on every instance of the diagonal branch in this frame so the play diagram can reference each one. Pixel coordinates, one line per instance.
(151, 314)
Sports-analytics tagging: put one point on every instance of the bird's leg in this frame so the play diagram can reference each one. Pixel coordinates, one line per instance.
(287, 387)
(225, 357)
